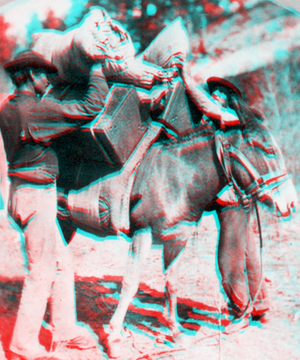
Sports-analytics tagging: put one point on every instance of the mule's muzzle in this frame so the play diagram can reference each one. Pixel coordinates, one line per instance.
(275, 190)
(281, 200)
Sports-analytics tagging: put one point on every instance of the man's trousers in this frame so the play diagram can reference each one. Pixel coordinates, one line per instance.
(50, 274)
(239, 262)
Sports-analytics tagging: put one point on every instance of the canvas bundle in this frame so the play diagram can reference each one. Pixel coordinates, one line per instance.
(170, 48)
(98, 38)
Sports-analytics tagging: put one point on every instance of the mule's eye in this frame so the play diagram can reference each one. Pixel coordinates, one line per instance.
(270, 151)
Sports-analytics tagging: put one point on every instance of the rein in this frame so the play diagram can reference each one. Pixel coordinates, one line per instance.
(256, 191)
(252, 301)
(261, 186)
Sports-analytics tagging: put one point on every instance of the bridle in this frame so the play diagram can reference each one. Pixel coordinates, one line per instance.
(262, 185)
(260, 189)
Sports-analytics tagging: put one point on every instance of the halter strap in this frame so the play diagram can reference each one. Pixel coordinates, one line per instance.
(224, 150)
(261, 183)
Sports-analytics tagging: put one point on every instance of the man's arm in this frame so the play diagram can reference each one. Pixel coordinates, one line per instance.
(75, 111)
(208, 106)
(4, 183)
(51, 118)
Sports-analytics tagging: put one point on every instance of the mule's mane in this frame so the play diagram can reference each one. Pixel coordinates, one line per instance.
(203, 133)
(207, 131)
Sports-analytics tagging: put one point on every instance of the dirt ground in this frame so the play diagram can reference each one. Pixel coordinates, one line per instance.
(100, 265)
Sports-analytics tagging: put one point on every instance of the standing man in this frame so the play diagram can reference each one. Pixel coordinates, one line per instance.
(28, 123)
(236, 247)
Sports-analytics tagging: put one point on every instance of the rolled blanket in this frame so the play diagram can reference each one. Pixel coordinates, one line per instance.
(170, 48)
(103, 207)
(98, 38)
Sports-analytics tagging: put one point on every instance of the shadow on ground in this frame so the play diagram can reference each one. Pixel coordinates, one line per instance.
(96, 302)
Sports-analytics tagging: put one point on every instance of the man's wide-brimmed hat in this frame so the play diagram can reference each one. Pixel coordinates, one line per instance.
(214, 82)
(29, 59)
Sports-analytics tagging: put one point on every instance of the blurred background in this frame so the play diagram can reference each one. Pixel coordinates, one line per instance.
(253, 43)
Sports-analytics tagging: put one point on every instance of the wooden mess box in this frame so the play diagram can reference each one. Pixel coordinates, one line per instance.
(177, 115)
(104, 145)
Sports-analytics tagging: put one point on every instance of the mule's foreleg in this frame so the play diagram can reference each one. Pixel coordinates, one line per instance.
(139, 249)
(171, 290)
(231, 256)
(172, 253)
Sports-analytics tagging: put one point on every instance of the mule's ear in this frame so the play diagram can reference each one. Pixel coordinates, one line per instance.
(259, 116)
(257, 136)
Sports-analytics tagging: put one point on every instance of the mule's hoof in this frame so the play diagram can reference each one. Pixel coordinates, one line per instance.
(178, 341)
(237, 326)
(228, 312)
(205, 334)
(262, 318)
(39, 353)
(261, 315)
(182, 340)
(119, 347)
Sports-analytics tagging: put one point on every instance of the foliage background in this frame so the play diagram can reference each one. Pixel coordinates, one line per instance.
(224, 36)
(226, 39)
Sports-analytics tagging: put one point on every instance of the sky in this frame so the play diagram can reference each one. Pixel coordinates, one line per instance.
(20, 18)
(21, 13)
(290, 4)
(25, 16)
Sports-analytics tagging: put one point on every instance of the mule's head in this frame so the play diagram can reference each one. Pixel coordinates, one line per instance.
(258, 167)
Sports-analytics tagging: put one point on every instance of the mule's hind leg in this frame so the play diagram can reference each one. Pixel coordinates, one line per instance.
(171, 291)
(139, 249)
(172, 254)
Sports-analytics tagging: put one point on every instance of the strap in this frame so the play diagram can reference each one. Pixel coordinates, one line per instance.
(228, 196)
(223, 149)
(261, 183)
(230, 150)
(252, 301)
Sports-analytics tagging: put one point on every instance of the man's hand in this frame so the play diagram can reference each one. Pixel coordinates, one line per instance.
(159, 95)
(165, 75)
(146, 75)
(187, 79)
(155, 98)
(3, 215)
(176, 60)
(97, 69)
